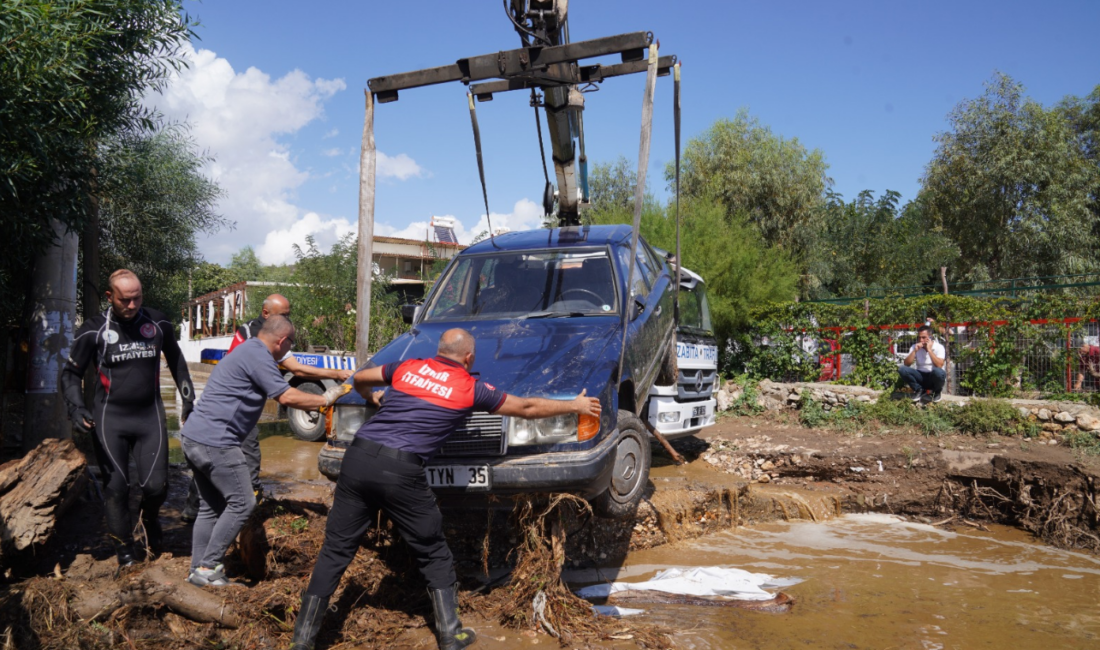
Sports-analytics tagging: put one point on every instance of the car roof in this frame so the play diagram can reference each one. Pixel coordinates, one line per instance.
(580, 236)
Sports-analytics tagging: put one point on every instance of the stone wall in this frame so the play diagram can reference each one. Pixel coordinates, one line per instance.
(773, 396)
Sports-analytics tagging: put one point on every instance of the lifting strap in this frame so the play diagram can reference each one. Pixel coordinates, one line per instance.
(639, 191)
(676, 121)
(480, 165)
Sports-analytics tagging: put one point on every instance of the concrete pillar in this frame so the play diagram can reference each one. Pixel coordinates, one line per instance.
(51, 328)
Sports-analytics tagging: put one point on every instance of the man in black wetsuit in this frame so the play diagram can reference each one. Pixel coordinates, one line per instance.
(127, 417)
(274, 305)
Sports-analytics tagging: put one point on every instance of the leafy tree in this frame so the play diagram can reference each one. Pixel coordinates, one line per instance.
(72, 72)
(611, 185)
(870, 243)
(153, 199)
(1083, 116)
(1010, 184)
(740, 269)
(776, 183)
(323, 294)
(246, 265)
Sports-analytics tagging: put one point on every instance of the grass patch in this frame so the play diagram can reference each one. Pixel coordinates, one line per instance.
(979, 417)
(1083, 441)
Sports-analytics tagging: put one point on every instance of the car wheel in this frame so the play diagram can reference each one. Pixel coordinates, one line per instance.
(307, 425)
(631, 470)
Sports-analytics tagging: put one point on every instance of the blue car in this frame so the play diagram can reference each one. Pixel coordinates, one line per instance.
(547, 309)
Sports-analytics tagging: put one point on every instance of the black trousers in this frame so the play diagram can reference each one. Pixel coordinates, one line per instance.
(369, 483)
(121, 432)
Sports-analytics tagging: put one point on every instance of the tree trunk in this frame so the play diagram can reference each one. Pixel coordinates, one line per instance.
(155, 587)
(35, 491)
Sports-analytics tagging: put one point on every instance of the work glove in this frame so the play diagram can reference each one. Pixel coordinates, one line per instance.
(335, 393)
(186, 410)
(78, 416)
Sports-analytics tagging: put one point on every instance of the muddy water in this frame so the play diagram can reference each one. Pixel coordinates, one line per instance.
(874, 581)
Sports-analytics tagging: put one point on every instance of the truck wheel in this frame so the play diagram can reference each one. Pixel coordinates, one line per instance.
(631, 471)
(307, 425)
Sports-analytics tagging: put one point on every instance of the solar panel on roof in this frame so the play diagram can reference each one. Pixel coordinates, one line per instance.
(445, 234)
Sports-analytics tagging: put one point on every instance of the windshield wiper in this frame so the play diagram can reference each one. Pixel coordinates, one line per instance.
(554, 314)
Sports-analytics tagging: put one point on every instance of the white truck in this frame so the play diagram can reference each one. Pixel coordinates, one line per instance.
(688, 406)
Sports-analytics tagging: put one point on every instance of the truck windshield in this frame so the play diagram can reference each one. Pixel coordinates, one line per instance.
(542, 284)
(694, 310)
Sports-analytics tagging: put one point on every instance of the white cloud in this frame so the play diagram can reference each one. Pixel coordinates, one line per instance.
(335, 151)
(278, 246)
(237, 118)
(331, 134)
(525, 215)
(400, 166)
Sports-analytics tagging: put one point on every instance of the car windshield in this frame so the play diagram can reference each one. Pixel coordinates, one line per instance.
(694, 311)
(528, 284)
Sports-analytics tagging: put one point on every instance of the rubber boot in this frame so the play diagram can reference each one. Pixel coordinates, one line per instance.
(449, 630)
(309, 622)
(125, 553)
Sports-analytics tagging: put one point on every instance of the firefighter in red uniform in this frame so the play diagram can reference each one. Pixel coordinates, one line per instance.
(383, 469)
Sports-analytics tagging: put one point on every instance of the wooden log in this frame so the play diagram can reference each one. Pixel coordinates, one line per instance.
(155, 587)
(34, 491)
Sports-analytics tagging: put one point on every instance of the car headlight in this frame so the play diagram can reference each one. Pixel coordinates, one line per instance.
(552, 430)
(346, 420)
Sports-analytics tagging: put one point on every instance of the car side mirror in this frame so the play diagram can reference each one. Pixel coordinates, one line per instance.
(637, 308)
(408, 313)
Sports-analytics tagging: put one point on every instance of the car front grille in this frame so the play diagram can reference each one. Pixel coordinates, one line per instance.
(481, 434)
(697, 383)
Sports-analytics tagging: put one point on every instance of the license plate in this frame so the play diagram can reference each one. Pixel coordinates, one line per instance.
(698, 411)
(466, 477)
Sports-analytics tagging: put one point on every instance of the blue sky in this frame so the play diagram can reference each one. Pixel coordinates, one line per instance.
(274, 94)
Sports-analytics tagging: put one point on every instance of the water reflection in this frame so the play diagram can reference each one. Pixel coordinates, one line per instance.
(876, 581)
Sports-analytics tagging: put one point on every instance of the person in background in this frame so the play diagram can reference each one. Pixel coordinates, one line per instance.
(127, 416)
(211, 440)
(928, 375)
(1088, 367)
(274, 305)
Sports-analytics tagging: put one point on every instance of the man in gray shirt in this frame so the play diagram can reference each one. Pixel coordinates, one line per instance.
(211, 439)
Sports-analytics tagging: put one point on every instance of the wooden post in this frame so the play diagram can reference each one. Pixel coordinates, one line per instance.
(367, 162)
(943, 276)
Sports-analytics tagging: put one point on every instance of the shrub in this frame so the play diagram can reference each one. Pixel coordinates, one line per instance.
(983, 416)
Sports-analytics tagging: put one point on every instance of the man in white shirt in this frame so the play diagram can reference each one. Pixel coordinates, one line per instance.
(928, 375)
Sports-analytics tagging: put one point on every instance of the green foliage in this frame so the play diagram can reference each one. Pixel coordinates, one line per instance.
(772, 182)
(740, 270)
(986, 416)
(771, 346)
(1010, 183)
(72, 74)
(153, 199)
(871, 243)
(747, 404)
(323, 299)
(611, 186)
(1084, 441)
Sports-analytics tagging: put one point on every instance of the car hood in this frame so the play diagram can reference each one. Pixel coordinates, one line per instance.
(553, 357)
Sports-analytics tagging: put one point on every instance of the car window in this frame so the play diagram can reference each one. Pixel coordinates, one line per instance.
(528, 283)
(638, 285)
(694, 311)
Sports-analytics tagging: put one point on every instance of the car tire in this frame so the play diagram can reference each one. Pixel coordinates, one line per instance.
(630, 474)
(307, 425)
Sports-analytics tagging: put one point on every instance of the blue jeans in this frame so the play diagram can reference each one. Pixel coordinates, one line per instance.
(922, 381)
(225, 499)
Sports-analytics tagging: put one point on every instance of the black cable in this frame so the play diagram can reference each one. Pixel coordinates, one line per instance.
(538, 128)
(521, 29)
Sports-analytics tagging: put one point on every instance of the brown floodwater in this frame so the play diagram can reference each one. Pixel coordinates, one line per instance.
(876, 581)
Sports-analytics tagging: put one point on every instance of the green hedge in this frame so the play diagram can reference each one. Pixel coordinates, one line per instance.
(993, 363)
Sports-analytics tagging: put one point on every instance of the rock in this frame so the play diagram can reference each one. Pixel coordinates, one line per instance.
(864, 398)
(767, 465)
(1044, 415)
(1064, 417)
(794, 398)
(1025, 412)
(723, 400)
(1086, 422)
(1051, 426)
(764, 478)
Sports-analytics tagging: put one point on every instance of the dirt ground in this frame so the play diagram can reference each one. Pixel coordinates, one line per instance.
(741, 471)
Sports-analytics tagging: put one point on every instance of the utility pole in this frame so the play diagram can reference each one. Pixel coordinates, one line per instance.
(367, 161)
(51, 328)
